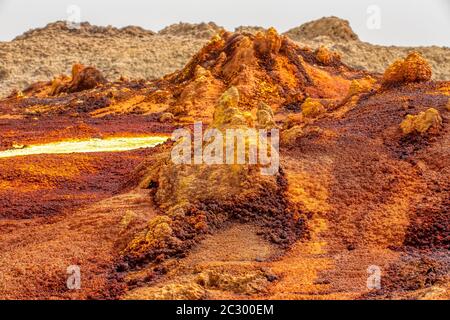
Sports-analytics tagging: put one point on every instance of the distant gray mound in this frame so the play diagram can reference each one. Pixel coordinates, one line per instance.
(85, 29)
(204, 30)
(335, 28)
(249, 29)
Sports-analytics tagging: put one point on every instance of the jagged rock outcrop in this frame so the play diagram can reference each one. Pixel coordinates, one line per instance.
(361, 86)
(264, 67)
(327, 57)
(82, 78)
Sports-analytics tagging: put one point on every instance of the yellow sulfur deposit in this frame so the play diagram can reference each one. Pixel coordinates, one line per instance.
(326, 56)
(414, 68)
(360, 86)
(312, 108)
(422, 122)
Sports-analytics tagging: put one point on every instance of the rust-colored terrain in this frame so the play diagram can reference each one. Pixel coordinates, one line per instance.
(363, 182)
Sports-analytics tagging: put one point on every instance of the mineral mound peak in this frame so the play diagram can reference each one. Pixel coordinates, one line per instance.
(264, 67)
(333, 27)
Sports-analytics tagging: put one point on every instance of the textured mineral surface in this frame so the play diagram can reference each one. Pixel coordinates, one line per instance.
(363, 183)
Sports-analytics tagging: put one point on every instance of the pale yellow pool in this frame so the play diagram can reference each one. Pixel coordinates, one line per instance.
(114, 144)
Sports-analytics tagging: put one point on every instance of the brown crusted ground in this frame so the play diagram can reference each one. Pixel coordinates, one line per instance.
(353, 190)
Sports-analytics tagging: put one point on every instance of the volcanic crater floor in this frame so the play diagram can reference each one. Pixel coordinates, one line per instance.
(362, 190)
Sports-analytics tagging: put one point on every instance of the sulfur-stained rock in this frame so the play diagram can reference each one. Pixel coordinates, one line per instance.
(448, 105)
(230, 98)
(293, 120)
(159, 227)
(264, 117)
(166, 117)
(56, 86)
(290, 136)
(312, 108)
(249, 282)
(359, 86)
(268, 42)
(227, 113)
(326, 56)
(172, 291)
(422, 122)
(265, 67)
(414, 68)
(197, 196)
(83, 78)
(157, 236)
(178, 110)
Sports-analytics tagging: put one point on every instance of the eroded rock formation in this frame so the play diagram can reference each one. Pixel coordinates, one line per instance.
(195, 199)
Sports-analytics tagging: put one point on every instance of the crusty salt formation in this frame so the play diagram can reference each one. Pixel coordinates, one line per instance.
(422, 122)
(312, 108)
(199, 198)
(414, 68)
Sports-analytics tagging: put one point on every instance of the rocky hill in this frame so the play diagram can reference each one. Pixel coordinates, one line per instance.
(192, 30)
(133, 52)
(332, 27)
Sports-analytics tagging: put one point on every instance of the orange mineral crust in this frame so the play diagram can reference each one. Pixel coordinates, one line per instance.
(362, 186)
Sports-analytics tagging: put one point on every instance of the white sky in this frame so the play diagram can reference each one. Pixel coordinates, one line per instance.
(402, 22)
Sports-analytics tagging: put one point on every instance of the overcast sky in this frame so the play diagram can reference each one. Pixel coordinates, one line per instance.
(396, 22)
